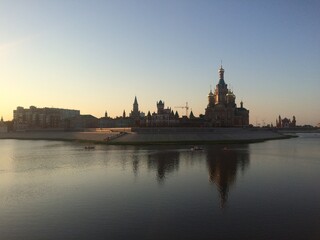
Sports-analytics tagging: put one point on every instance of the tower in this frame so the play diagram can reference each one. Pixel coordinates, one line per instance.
(221, 75)
(293, 123)
(135, 105)
(230, 97)
(210, 99)
(160, 107)
(221, 88)
(135, 113)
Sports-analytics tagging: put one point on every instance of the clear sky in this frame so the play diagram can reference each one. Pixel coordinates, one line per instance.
(96, 56)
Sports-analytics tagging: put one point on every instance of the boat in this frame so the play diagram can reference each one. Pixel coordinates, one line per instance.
(196, 148)
(89, 147)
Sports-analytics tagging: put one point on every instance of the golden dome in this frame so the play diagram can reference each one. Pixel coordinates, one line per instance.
(230, 93)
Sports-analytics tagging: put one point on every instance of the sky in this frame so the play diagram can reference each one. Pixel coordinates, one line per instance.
(96, 56)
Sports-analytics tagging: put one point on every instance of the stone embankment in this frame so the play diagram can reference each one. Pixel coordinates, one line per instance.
(155, 136)
(196, 135)
(64, 136)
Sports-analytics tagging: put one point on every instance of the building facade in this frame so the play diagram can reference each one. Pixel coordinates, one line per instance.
(137, 117)
(3, 126)
(164, 117)
(286, 122)
(135, 113)
(38, 118)
(222, 110)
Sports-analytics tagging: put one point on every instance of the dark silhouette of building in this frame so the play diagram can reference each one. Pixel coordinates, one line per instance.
(163, 118)
(39, 118)
(3, 126)
(222, 110)
(286, 122)
(137, 117)
(81, 122)
(135, 113)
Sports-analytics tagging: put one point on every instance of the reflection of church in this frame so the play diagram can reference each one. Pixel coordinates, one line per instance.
(222, 110)
(164, 162)
(223, 165)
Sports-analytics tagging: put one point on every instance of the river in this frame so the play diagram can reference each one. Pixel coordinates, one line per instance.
(60, 190)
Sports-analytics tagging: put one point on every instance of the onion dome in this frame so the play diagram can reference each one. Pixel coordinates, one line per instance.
(230, 93)
(221, 69)
(210, 99)
(230, 97)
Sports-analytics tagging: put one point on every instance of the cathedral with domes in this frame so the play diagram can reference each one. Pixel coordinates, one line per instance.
(222, 110)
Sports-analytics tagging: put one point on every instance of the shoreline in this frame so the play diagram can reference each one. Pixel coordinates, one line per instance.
(200, 142)
(161, 137)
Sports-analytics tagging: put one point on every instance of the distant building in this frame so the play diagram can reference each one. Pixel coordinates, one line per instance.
(135, 113)
(222, 110)
(118, 122)
(82, 121)
(3, 126)
(39, 118)
(136, 116)
(286, 122)
(163, 118)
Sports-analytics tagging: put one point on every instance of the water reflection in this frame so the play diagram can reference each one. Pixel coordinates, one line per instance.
(58, 190)
(223, 163)
(164, 162)
(135, 164)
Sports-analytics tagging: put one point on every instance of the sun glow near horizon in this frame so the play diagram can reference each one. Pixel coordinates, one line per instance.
(98, 57)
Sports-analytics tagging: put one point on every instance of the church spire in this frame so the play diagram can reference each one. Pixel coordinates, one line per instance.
(221, 73)
(135, 105)
(221, 76)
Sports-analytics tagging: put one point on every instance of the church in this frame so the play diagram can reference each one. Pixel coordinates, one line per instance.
(222, 110)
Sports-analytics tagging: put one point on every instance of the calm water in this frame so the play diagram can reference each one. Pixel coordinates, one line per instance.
(59, 190)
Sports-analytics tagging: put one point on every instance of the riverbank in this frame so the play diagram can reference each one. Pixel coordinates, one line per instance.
(61, 136)
(151, 136)
(197, 136)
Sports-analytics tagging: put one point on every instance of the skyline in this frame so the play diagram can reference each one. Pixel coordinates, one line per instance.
(98, 56)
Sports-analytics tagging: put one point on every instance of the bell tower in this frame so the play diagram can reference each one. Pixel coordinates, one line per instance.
(221, 88)
(221, 74)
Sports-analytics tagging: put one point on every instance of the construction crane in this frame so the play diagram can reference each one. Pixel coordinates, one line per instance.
(186, 107)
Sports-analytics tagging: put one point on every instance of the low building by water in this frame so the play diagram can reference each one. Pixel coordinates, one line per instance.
(3, 126)
(39, 118)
